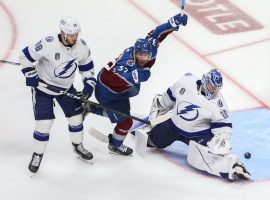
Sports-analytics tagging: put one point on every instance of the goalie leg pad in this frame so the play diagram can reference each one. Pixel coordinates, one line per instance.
(220, 165)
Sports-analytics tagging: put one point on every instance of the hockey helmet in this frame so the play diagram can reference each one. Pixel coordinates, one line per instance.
(212, 83)
(69, 26)
(142, 46)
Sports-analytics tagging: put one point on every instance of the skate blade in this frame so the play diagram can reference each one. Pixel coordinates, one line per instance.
(90, 162)
(119, 154)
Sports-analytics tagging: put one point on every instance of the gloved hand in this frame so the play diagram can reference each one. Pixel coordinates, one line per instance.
(141, 75)
(219, 145)
(178, 19)
(31, 76)
(89, 84)
(153, 41)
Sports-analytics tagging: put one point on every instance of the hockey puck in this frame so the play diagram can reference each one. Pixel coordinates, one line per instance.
(247, 155)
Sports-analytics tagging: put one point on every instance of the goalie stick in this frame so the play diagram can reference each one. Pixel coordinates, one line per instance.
(104, 138)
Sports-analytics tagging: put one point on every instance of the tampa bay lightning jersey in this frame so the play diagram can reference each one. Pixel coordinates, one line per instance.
(55, 63)
(116, 77)
(193, 113)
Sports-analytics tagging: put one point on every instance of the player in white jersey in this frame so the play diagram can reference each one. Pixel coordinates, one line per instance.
(53, 61)
(199, 119)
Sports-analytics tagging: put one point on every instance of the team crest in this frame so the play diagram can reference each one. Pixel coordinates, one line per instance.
(57, 56)
(130, 63)
(66, 69)
(187, 111)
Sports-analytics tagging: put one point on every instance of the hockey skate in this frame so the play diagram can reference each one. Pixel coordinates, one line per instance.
(35, 162)
(240, 173)
(121, 150)
(82, 153)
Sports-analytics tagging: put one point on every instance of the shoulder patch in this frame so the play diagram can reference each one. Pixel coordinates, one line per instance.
(188, 74)
(220, 104)
(182, 91)
(49, 38)
(83, 42)
(130, 62)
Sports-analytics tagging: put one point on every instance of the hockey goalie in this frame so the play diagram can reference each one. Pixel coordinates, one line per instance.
(200, 120)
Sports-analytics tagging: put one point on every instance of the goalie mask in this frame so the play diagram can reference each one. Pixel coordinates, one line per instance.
(211, 83)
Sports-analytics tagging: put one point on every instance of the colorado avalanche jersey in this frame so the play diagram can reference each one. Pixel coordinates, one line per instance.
(194, 113)
(117, 78)
(56, 64)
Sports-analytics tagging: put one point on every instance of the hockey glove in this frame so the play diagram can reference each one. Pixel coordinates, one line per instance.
(31, 76)
(141, 75)
(178, 19)
(89, 84)
(219, 145)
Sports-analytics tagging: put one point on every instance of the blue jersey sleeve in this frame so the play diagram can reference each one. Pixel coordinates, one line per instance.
(161, 32)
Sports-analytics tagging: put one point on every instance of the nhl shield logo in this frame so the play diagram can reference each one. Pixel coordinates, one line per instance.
(57, 56)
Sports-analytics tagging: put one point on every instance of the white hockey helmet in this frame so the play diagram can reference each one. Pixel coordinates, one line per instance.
(69, 25)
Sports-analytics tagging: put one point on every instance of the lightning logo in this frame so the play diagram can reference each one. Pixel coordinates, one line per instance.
(65, 70)
(187, 111)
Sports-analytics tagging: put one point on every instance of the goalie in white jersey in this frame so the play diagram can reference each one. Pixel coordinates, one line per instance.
(56, 59)
(199, 119)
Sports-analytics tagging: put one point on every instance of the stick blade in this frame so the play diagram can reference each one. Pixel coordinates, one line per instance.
(161, 118)
(98, 135)
(141, 142)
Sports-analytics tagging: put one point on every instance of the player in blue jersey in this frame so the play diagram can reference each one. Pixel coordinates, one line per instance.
(121, 79)
(56, 58)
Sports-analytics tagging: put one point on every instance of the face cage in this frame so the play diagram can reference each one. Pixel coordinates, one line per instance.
(210, 95)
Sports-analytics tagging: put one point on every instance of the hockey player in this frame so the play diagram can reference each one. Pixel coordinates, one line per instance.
(121, 79)
(56, 58)
(199, 119)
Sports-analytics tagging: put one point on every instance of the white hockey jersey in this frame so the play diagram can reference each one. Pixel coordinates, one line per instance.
(194, 114)
(56, 64)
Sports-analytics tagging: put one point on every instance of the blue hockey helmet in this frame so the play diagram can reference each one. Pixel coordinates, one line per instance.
(212, 83)
(142, 46)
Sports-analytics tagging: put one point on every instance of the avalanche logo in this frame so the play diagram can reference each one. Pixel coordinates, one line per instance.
(66, 69)
(187, 111)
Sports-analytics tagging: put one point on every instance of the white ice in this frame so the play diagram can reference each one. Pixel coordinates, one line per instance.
(109, 27)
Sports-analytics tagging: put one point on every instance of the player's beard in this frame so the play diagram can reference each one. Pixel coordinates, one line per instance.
(141, 63)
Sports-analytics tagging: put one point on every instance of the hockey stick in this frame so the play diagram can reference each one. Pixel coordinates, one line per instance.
(182, 5)
(57, 90)
(104, 138)
(9, 62)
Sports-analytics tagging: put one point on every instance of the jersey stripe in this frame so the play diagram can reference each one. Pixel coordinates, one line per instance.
(27, 54)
